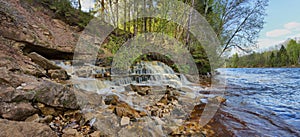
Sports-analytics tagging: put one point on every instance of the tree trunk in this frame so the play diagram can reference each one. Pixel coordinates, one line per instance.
(79, 5)
(135, 19)
(145, 18)
(125, 14)
(189, 25)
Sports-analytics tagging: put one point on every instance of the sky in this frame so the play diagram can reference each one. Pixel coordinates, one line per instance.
(282, 22)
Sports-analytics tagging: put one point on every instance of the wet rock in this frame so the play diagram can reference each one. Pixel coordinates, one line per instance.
(146, 128)
(43, 62)
(111, 100)
(16, 111)
(217, 99)
(141, 90)
(220, 99)
(124, 110)
(84, 72)
(108, 124)
(88, 100)
(59, 74)
(24, 129)
(125, 121)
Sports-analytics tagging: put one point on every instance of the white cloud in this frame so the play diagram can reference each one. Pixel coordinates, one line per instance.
(87, 4)
(292, 26)
(278, 32)
(267, 43)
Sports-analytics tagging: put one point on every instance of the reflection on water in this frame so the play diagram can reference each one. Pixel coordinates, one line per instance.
(264, 102)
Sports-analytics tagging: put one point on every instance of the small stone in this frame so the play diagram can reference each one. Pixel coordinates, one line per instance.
(19, 88)
(46, 33)
(125, 121)
(35, 26)
(33, 118)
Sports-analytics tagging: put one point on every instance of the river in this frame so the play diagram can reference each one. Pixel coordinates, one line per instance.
(262, 101)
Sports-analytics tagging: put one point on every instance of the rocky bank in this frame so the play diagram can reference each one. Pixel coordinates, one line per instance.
(35, 102)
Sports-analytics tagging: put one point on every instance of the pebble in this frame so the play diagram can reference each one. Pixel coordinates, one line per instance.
(125, 121)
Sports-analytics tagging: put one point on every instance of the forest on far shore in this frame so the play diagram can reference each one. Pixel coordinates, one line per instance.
(286, 56)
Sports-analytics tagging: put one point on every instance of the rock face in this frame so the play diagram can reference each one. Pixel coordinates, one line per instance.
(24, 129)
(20, 22)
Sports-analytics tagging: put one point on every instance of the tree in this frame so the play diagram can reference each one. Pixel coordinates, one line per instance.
(235, 60)
(240, 23)
(272, 60)
(293, 49)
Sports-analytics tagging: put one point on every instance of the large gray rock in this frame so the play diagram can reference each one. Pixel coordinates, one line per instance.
(43, 62)
(56, 95)
(16, 111)
(24, 129)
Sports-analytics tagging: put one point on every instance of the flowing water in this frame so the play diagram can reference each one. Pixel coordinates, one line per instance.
(262, 101)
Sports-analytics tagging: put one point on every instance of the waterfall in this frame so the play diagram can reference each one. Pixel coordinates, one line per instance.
(151, 73)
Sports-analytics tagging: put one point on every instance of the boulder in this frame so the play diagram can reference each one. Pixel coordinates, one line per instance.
(141, 90)
(16, 111)
(24, 129)
(56, 95)
(43, 62)
(59, 74)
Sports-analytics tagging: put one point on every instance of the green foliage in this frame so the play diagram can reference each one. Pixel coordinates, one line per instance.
(114, 43)
(235, 60)
(64, 10)
(284, 57)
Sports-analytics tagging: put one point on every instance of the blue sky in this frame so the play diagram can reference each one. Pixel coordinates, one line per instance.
(282, 22)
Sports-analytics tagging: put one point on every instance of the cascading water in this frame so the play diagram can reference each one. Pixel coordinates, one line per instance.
(151, 73)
